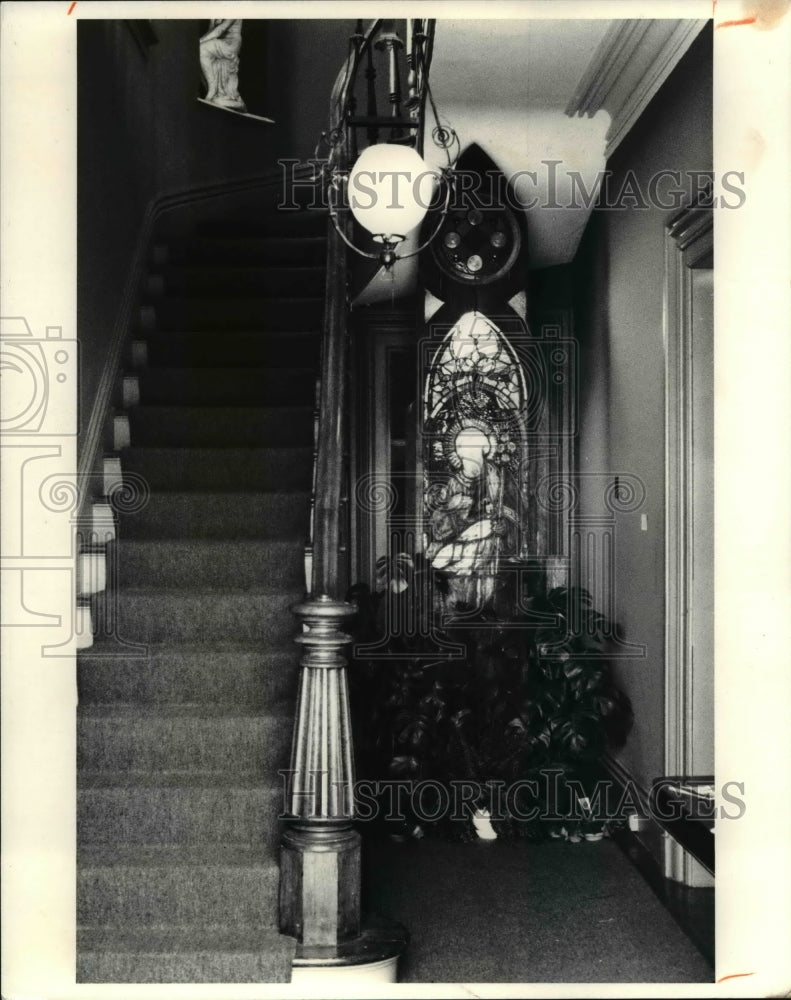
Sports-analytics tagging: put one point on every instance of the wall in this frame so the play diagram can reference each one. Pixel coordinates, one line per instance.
(143, 134)
(619, 315)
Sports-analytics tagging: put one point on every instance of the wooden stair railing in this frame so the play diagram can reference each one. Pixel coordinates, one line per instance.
(320, 856)
(320, 884)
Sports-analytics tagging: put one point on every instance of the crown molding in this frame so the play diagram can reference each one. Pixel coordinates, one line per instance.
(607, 63)
(631, 63)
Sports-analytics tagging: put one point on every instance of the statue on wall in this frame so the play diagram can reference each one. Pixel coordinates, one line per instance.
(219, 62)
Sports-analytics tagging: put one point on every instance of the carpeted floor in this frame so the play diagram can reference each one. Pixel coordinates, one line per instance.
(513, 911)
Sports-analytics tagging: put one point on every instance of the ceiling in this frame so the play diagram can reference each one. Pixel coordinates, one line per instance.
(512, 64)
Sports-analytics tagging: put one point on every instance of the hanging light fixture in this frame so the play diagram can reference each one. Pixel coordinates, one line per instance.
(390, 188)
(390, 191)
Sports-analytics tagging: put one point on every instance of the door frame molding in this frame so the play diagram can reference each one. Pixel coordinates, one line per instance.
(689, 240)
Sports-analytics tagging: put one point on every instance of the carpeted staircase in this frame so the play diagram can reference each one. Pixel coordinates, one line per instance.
(179, 748)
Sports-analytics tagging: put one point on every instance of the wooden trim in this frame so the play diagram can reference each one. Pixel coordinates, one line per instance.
(91, 442)
(633, 60)
(693, 226)
(688, 240)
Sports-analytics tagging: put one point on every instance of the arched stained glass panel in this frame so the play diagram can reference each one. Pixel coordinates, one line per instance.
(474, 440)
(475, 355)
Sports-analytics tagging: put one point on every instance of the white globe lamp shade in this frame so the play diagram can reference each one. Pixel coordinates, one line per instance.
(390, 190)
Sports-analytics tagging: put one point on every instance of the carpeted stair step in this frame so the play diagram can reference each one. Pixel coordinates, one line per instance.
(217, 954)
(220, 674)
(220, 515)
(224, 386)
(233, 349)
(251, 250)
(255, 313)
(221, 468)
(184, 738)
(179, 809)
(215, 426)
(180, 563)
(181, 279)
(152, 615)
(212, 884)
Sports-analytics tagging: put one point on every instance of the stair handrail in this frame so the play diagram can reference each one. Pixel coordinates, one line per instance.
(322, 555)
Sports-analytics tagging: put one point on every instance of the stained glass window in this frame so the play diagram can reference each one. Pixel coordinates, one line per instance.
(476, 355)
(474, 439)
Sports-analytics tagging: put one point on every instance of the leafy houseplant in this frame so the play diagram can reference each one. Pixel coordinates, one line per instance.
(488, 701)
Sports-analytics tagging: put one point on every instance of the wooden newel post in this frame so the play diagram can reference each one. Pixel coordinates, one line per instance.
(320, 855)
(320, 872)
